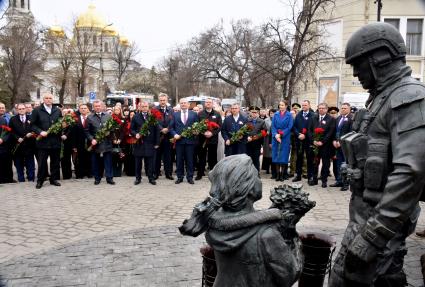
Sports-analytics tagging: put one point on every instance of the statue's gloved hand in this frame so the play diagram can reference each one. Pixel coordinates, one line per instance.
(359, 253)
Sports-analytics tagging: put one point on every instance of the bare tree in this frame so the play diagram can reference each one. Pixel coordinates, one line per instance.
(142, 81)
(61, 50)
(84, 52)
(227, 56)
(22, 56)
(295, 45)
(123, 55)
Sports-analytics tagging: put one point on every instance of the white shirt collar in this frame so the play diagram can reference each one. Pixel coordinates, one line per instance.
(48, 109)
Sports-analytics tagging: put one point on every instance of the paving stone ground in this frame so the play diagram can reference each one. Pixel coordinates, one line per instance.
(85, 235)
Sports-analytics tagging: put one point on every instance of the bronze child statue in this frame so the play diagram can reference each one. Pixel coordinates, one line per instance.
(252, 248)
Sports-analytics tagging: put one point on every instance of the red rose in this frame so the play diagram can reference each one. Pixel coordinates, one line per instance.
(250, 126)
(117, 119)
(212, 125)
(6, 128)
(280, 132)
(319, 131)
(263, 133)
(304, 131)
(156, 114)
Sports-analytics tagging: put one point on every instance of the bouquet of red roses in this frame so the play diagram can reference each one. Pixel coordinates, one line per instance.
(244, 130)
(210, 126)
(153, 118)
(317, 136)
(111, 124)
(5, 130)
(62, 123)
(261, 134)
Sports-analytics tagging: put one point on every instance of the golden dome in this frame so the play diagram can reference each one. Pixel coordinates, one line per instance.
(56, 31)
(90, 19)
(110, 31)
(124, 41)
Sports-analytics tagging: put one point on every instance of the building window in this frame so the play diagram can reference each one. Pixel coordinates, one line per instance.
(94, 40)
(28, 4)
(38, 93)
(22, 3)
(414, 36)
(14, 3)
(394, 22)
(52, 48)
(86, 39)
(106, 47)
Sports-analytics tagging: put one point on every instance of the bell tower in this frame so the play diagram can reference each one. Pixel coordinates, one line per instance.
(19, 11)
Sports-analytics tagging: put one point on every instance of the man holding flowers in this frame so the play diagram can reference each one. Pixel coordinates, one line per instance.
(48, 142)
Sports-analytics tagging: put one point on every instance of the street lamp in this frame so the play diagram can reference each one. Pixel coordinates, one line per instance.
(102, 82)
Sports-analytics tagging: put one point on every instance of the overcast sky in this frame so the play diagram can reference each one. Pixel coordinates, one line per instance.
(159, 25)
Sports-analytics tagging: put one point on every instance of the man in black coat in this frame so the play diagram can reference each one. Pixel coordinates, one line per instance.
(79, 144)
(42, 118)
(66, 153)
(302, 141)
(146, 146)
(6, 173)
(324, 146)
(209, 140)
(232, 124)
(343, 127)
(23, 138)
(163, 153)
(100, 151)
(254, 141)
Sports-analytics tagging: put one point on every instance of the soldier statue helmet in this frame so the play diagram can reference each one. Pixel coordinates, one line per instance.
(385, 163)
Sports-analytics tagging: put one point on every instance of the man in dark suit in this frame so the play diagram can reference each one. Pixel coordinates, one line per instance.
(232, 124)
(209, 140)
(163, 153)
(324, 145)
(101, 151)
(23, 156)
(343, 126)
(254, 142)
(302, 141)
(146, 146)
(185, 147)
(42, 118)
(79, 144)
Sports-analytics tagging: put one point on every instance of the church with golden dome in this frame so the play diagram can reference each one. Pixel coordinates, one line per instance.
(89, 61)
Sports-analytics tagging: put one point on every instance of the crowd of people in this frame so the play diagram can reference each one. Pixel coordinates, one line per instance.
(110, 142)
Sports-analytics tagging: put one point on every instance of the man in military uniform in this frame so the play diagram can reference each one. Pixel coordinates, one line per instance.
(386, 161)
(255, 141)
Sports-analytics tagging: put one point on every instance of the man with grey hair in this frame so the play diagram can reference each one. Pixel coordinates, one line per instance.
(322, 132)
(42, 118)
(232, 124)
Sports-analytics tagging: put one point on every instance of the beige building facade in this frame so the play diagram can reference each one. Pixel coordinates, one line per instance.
(334, 82)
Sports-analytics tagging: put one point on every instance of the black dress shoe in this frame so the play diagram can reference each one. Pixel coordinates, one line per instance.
(39, 185)
(190, 181)
(297, 178)
(97, 181)
(170, 177)
(156, 177)
(179, 180)
(344, 188)
(198, 177)
(152, 181)
(110, 181)
(55, 183)
(324, 184)
(137, 181)
(336, 184)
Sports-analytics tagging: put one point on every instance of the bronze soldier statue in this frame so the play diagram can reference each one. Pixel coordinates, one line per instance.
(386, 161)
